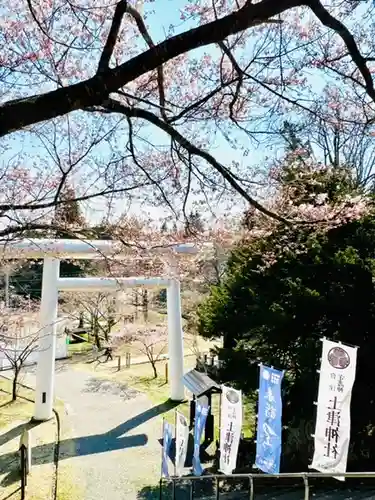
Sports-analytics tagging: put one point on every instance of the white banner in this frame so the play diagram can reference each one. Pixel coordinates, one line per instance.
(332, 430)
(182, 440)
(230, 428)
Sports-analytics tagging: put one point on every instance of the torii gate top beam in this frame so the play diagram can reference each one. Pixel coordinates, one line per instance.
(102, 284)
(80, 249)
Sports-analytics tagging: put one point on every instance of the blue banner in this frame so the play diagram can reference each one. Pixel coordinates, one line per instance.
(167, 440)
(268, 449)
(201, 412)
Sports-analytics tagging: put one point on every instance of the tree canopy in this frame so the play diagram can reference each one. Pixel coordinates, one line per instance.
(169, 111)
(287, 287)
(276, 314)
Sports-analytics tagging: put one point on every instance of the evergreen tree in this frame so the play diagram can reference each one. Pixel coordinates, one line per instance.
(275, 312)
(68, 214)
(284, 291)
(27, 280)
(290, 133)
(194, 223)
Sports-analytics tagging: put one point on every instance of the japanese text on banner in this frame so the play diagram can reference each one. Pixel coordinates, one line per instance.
(231, 426)
(201, 412)
(268, 449)
(182, 439)
(332, 429)
(167, 440)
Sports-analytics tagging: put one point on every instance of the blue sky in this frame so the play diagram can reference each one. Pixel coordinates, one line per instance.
(167, 13)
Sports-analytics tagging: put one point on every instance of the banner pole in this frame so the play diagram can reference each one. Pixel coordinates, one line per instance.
(218, 442)
(175, 443)
(220, 418)
(256, 417)
(162, 447)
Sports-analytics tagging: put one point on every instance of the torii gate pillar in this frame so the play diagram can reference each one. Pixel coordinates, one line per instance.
(45, 372)
(175, 341)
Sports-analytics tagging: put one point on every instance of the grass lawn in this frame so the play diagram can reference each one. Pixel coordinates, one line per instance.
(79, 347)
(9, 410)
(14, 419)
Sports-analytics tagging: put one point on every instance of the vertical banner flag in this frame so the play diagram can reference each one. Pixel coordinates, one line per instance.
(167, 440)
(201, 412)
(182, 440)
(332, 428)
(268, 450)
(231, 426)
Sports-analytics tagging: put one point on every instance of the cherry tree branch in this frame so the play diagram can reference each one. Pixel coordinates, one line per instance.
(146, 36)
(24, 227)
(134, 112)
(20, 113)
(120, 11)
(331, 22)
(34, 205)
(240, 75)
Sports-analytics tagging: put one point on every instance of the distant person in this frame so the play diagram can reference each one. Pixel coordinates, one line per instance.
(108, 353)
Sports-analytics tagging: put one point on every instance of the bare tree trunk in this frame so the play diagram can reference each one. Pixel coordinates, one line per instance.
(136, 303)
(152, 360)
(145, 305)
(96, 334)
(216, 265)
(81, 320)
(110, 324)
(14, 384)
(217, 273)
(97, 340)
(153, 364)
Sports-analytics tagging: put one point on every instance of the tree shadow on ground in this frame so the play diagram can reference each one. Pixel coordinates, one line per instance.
(14, 474)
(14, 495)
(10, 462)
(99, 443)
(149, 493)
(182, 491)
(104, 386)
(17, 431)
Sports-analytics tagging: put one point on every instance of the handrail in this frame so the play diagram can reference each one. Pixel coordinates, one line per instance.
(276, 476)
(305, 476)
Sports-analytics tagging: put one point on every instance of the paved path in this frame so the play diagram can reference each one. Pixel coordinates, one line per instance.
(115, 431)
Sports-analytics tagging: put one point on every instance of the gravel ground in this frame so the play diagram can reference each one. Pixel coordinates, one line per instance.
(115, 431)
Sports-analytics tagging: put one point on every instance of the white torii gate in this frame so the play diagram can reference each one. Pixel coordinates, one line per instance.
(52, 251)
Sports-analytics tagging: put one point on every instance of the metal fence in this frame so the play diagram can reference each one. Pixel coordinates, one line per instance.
(182, 488)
